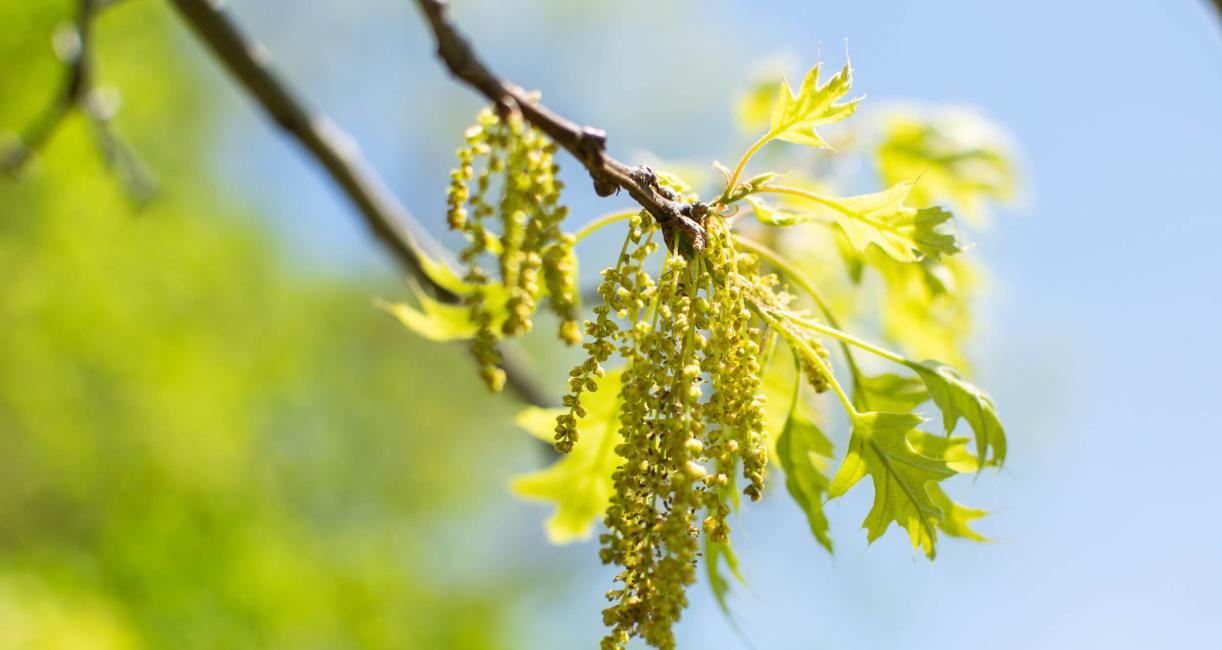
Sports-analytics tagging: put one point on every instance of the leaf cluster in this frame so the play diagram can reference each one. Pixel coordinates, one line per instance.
(653, 442)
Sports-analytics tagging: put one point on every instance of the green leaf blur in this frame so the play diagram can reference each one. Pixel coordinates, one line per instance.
(201, 446)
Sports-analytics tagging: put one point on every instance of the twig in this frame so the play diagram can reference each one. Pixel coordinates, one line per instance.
(335, 150)
(78, 93)
(586, 144)
(77, 73)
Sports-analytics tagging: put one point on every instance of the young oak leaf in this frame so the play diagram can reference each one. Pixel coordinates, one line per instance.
(438, 321)
(962, 159)
(771, 215)
(957, 398)
(904, 233)
(714, 554)
(882, 218)
(951, 449)
(804, 452)
(893, 393)
(794, 117)
(956, 517)
(433, 319)
(879, 447)
(580, 482)
(927, 306)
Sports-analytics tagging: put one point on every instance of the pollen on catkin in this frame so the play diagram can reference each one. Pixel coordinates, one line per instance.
(691, 415)
(516, 163)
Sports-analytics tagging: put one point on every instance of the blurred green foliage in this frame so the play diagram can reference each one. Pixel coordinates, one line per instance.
(201, 447)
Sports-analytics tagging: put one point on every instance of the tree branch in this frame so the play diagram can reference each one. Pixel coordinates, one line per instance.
(74, 45)
(247, 61)
(586, 144)
(336, 151)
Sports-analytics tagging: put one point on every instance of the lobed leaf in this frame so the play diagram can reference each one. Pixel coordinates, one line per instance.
(904, 233)
(893, 393)
(951, 449)
(879, 448)
(804, 452)
(714, 553)
(439, 321)
(795, 116)
(926, 307)
(962, 159)
(957, 398)
(956, 517)
(433, 320)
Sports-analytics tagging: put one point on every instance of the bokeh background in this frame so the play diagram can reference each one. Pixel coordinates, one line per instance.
(209, 438)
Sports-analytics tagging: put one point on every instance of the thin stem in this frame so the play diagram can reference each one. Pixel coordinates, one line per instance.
(742, 163)
(602, 221)
(831, 203)
(806, 194)
(850, 339)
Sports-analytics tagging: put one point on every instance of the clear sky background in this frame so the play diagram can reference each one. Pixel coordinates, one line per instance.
(1102, 349)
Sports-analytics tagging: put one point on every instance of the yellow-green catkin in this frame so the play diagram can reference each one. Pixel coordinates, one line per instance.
(691, 413)
(625, 290)
(532, 253)
(651, 520)
(485, 139)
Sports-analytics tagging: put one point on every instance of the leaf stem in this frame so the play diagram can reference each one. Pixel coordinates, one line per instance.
(850, 339)
(602, 221)
(831, 203)
(742, 162)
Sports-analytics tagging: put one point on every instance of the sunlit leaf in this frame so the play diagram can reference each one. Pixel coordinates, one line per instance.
(881, 219)
(753, 109)
(854, 262)
(441, 321)
(956, 518)
(714, 554)
(951, 449)
(903, 232)
(579, 483)
(794, 117)
(957, 398)
(962, 159)
(879, 448)
(433, 320)
(539, 422)
(443, 275)
(893, 393)
(804, 453)
(772, 215)
(926, 308)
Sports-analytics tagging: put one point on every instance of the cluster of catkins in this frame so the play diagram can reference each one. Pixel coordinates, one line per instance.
(691, 413)
(693, 341)
(534, 256)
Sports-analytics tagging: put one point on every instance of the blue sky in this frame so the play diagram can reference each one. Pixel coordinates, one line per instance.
(1103, 346)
